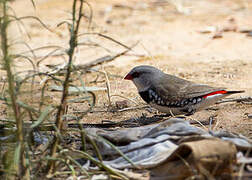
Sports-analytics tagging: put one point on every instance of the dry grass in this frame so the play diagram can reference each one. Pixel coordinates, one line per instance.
(167, 39)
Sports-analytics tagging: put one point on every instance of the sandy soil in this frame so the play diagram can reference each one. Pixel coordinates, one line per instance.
(168, 37)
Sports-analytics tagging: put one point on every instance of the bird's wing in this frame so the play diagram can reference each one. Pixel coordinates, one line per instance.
(196, 90)
(172, 88)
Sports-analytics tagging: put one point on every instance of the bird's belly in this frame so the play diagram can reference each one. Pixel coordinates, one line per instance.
(168, 110)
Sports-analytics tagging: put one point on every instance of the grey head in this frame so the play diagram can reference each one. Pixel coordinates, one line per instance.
(144, 76)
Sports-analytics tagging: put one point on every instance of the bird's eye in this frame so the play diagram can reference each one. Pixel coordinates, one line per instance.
(135, 74)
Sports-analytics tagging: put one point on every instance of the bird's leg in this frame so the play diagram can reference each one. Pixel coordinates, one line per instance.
(171, 113)
(176, 116)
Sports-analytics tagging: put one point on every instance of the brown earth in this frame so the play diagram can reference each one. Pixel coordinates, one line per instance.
(169, 38)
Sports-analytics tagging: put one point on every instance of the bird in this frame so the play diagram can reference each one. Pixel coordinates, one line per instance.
(173, 95)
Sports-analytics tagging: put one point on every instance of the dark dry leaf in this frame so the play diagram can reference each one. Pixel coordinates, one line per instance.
(122, 104)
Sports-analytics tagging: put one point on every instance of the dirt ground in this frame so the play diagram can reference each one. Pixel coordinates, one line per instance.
(171, 35)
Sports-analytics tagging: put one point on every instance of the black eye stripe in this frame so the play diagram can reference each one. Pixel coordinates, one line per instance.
(135, 74)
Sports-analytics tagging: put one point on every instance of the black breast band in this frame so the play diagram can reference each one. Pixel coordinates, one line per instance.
(145, 96)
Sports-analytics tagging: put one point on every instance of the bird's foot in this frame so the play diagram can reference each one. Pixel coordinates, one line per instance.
(180, 116)
(170, 116)
(162, 115)
(188, 114)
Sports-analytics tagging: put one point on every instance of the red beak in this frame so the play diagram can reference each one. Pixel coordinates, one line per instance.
(128, 77)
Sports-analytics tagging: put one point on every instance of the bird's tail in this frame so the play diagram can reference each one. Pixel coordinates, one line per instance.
(234, 92)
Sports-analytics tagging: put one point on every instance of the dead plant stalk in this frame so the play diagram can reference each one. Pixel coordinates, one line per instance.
(61, 109)
(7, 60)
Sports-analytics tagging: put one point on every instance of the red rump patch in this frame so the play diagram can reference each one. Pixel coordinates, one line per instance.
(216, 92)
